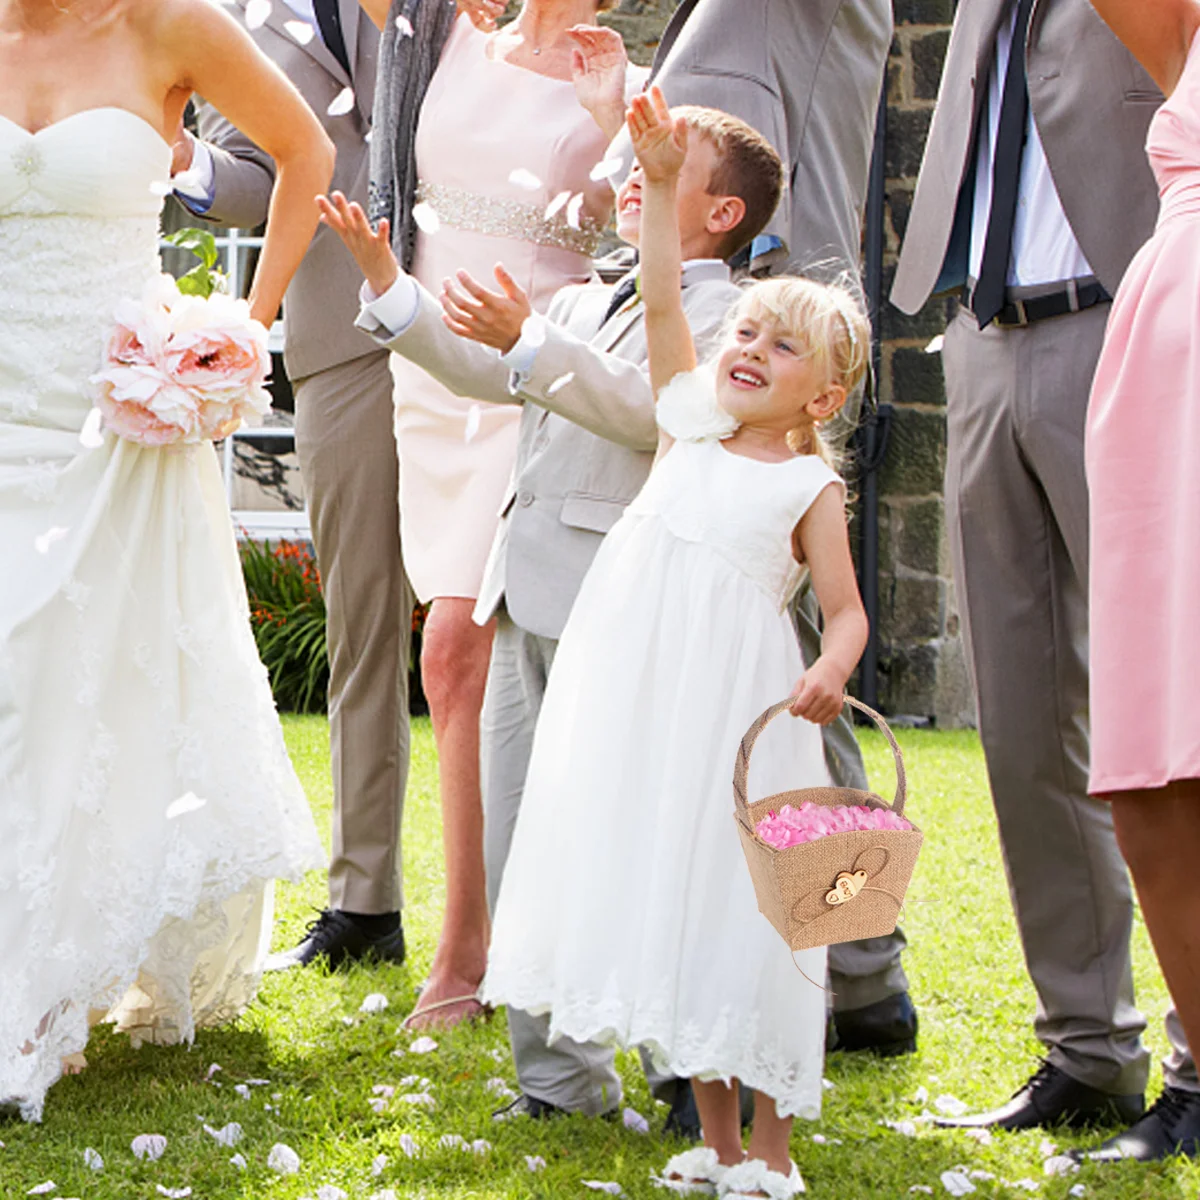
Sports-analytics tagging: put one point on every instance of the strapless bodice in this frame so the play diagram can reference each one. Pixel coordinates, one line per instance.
(1173, 143)
(79, 208)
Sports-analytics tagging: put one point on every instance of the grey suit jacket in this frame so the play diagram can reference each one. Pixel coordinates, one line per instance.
(585, 446)
(806, 74)
(322, 301)
(1092, 105)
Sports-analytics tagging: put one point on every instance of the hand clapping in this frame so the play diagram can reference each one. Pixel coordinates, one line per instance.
(659, 140)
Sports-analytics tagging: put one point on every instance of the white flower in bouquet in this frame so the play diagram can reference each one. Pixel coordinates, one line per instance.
(185, 363)
(688, 409)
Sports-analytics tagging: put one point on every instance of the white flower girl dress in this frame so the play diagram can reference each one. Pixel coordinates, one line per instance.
(626, 909)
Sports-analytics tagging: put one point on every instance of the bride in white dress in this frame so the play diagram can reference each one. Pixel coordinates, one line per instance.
(146, 798)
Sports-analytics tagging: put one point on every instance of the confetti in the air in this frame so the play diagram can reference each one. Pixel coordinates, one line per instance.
(302, 31)
(523, 178)
(560, 383)
(187, 803)
(257, 12)
(426, 218)
(556, 205)
(607, 169)
(342, 103)
(471, 425)
(574, 209)
(405, 26)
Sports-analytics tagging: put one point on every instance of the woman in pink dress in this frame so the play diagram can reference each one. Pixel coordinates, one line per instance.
(1143, 465)
(505, 152)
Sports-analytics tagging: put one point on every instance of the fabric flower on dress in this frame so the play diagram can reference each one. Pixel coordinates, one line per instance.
(180, 368)
(688, 409)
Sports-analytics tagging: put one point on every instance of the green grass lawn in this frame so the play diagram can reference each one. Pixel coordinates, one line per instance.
(323, 1058)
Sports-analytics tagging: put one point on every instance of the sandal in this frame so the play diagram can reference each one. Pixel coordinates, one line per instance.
(695, 1172)
(754, 1180)
(473, 997)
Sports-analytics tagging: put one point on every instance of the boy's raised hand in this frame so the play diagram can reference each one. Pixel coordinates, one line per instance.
(372, 250)
(493, 318)
(659, 140)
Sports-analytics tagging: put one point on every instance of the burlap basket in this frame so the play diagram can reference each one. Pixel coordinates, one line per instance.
(836, 888)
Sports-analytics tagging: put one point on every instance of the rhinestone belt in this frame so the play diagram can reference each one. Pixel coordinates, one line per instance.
(461, 209)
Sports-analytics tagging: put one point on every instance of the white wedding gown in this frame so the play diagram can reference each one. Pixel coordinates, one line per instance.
(128, 672)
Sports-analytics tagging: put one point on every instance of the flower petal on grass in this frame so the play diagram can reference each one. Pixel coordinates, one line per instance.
(239, 1161)
(1078, 1190)
(423, 1045)
(632, 1119)
(907, 1128)
(422, 1098)
(600, 1185)
(242, 1090)
(43, 1188)
(1060, 1164)
(535, 1162)
(957, 1182)
(376, 1002)
(228, 1135)
(173, 1193)
(328, 1192)
(377, 1104)
(452, 1141)
(151, 1146)
(950, 1106)
(480, 1146)
(921, 1095)
(982, 1136)
(92, 1160)
(283, 1159)
(379, 1164)
(408, 1144)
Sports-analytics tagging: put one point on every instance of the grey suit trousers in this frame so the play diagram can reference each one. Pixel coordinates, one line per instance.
(1017, 512)
(347, 457)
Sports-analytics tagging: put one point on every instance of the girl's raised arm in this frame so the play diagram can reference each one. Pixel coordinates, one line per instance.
(211, 54)
(1158, 33)
(660, 143)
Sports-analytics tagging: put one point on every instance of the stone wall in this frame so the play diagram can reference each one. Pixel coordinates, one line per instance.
(922, 670)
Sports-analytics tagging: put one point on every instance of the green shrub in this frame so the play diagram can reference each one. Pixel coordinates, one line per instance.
(287, 612)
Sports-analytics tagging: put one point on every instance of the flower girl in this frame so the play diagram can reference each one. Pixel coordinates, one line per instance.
(627, 911)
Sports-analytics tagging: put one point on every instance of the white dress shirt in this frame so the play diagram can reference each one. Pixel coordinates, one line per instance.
(1044, 249)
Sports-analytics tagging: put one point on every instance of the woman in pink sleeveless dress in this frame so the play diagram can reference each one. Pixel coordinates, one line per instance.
(505, 152)
(1143, 465)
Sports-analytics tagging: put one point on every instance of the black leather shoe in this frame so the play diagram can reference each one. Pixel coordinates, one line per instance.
(887, 1028)
(1170, 1127)
(339, 939)
(1052, 1097)
(528, 1106)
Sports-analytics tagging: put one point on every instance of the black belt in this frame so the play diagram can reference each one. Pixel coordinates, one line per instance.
(1072, 297)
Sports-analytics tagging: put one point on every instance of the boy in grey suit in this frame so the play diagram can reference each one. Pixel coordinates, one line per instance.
(343, 390)
(587, 437)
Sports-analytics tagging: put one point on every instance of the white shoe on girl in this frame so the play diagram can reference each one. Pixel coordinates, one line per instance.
(754, 1180)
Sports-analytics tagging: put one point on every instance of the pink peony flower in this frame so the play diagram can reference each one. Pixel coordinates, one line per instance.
(795, 826)
(181, 368)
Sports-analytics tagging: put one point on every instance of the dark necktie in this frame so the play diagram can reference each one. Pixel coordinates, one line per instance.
(674, 25)
(988, 299)
(330, 21)
(626, 288)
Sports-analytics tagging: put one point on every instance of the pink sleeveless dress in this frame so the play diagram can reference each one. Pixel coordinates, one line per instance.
(1143, 468)
(496, 145)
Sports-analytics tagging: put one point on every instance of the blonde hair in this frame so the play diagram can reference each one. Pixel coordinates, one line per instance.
(828, 321)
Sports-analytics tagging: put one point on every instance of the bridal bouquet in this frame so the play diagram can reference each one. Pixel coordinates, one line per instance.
(185, 362)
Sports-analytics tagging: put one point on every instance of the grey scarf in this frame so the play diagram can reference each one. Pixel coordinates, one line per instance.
(406, 65)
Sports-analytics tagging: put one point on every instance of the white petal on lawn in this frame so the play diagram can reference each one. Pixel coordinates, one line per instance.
(376, 1002)
(257, 12)
(173, 1193)
(423, 1045)
(242, 1090)
(601, 1185)
(377, 1104)
(151, 1146)
(92, 1160)
(283, 1159)
(302, 31)
(228, 1135)
(424, 1099)
(1060, 1164)
(379, 1164)
(452, 1141)
(239, 1161)
(957, 1183)
(1078, 1190)
(950, 1106)
(535, 1162)
(328, 1192)
(342, 103)
(43, 1189)
(632, 1119)
(480, 1146)
(408, 1144)
(523, 178)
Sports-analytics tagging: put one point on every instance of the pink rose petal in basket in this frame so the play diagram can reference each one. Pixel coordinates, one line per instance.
(794, 826)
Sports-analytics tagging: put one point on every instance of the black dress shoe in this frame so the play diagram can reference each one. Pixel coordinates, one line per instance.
(887, 1028)
(528, 1106)
(339, 939)
(1170, 1127)
(1052, 1097)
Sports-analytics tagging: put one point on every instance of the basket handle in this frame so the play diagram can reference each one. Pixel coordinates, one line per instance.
(742, 767)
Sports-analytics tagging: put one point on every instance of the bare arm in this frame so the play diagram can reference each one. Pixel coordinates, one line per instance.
(1158, 33)
(211, 54)
(825, 545)
(661, 146)
(243, 176)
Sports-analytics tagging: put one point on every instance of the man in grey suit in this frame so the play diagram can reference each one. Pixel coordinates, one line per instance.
(586, 441)
(1033, 196)
(343, 391)
(807, 74)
